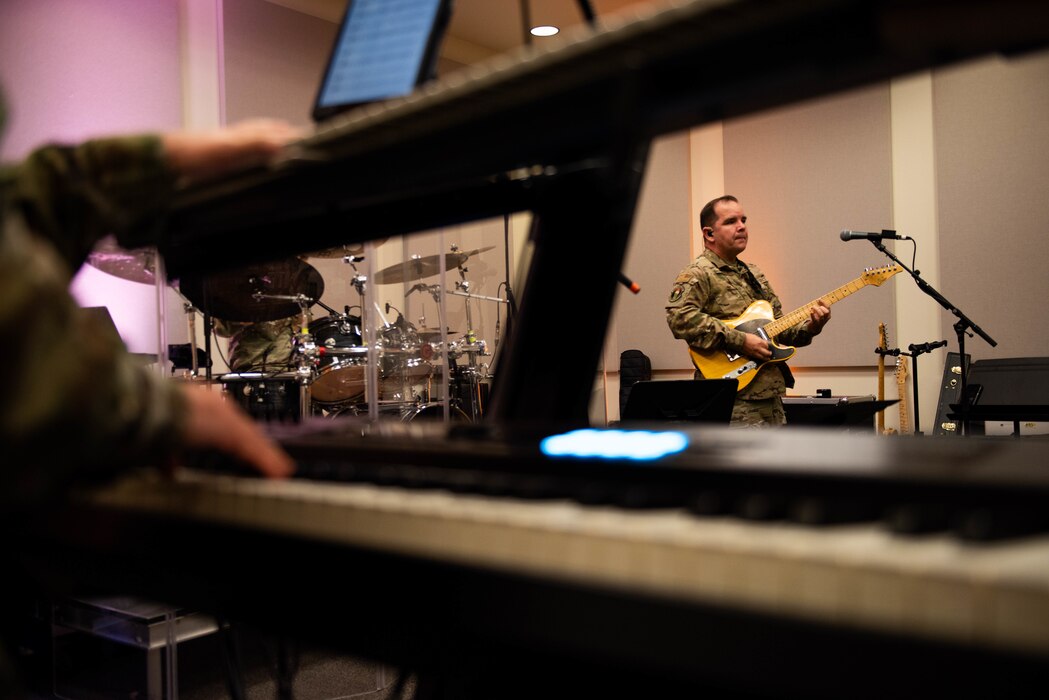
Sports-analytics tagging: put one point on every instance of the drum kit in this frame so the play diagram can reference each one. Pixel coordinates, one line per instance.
(416, 369)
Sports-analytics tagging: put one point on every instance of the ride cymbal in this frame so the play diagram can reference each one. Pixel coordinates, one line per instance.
(240, 294)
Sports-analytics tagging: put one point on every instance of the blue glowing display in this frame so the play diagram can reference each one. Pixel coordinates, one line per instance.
(615, 444)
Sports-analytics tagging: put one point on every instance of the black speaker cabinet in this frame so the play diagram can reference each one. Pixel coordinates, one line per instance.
(950, 391)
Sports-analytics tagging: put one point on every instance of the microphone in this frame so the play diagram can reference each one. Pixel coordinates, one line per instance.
(891, 235)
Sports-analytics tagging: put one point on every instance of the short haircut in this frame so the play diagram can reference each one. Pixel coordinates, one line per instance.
(707, 215)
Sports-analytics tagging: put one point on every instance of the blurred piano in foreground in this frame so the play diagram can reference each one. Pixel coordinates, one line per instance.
(792, 564)
(789, 564)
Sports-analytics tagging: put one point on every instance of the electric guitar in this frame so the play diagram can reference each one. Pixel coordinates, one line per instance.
(883, 344)
(758, 319)
(901, 386)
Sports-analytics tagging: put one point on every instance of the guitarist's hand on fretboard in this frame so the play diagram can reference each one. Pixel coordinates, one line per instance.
(818, 317)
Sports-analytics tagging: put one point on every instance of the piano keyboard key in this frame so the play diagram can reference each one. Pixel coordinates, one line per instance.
(861, 576)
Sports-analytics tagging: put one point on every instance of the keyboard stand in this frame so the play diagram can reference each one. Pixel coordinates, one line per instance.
(153, 628)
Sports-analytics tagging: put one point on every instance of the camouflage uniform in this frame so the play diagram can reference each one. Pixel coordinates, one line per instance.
(74, 406)
(711, 289)
(263, 346)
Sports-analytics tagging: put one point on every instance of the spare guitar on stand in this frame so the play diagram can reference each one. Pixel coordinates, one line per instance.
(883, 346)
(901, 387)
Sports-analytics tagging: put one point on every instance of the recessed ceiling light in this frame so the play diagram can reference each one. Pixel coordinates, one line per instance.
(544, 30)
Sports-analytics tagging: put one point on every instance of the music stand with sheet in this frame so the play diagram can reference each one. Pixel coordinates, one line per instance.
(682, 400)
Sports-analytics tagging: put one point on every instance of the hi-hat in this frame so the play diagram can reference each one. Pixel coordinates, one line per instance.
(418, 268)
(242, 294)
(139, 265)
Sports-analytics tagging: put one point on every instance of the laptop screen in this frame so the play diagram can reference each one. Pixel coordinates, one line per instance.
(384, 49)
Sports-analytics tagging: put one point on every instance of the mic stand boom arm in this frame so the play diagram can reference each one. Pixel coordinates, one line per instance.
(961, 327)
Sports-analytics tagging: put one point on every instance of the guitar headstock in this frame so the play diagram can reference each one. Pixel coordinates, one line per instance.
(901, 370)
(883, 337)
(877, 275)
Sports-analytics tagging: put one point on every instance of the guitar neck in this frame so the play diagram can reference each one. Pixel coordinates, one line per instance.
(901, 385)
(800, 314)
(883, 344)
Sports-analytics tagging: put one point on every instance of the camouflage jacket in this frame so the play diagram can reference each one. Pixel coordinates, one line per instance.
(711, 289)
(264, 346)
(74, 405)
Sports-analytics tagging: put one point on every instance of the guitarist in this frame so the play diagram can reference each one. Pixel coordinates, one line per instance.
(718, 285)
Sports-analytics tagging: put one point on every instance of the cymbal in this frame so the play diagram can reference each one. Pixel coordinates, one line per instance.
(418, 268)
(341, 251)
(139, 265)
(228, 294)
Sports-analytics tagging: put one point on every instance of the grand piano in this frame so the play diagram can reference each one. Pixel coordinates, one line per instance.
(797, 564)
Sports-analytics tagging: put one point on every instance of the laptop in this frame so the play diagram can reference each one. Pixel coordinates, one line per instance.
(680, 400)
(384, 49)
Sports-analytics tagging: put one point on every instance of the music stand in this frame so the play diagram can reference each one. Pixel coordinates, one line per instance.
(682, 400)
(840, 411)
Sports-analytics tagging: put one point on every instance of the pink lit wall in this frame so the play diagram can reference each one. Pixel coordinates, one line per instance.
(73, 69)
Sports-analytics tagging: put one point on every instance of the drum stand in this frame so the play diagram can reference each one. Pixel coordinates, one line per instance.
(472, 372)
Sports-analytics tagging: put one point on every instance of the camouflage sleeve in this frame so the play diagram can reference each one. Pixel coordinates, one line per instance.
(75, 407)
(73, 196)
(688, 319)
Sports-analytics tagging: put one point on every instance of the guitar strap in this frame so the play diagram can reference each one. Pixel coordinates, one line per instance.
(788, 376)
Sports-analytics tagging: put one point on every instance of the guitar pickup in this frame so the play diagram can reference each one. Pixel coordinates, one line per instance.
(741, 370)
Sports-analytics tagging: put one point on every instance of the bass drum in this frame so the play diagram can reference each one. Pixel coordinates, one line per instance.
(266, 398)
(433, 411)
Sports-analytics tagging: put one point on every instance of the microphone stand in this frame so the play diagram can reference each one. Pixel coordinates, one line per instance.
(961, 329)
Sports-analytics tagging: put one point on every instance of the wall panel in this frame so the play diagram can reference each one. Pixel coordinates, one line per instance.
(804, 173)
(992, 163)
(658, 250)
(274, 60)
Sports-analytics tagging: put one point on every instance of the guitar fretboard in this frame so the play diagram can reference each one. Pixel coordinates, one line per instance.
(800, 314)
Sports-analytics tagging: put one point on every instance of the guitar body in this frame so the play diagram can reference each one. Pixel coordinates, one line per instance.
(720, 364)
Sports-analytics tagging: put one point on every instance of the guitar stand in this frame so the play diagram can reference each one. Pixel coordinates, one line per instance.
(915, 352)
(961, 327)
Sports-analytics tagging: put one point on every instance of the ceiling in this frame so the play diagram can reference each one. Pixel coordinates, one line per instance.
(480, 28)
